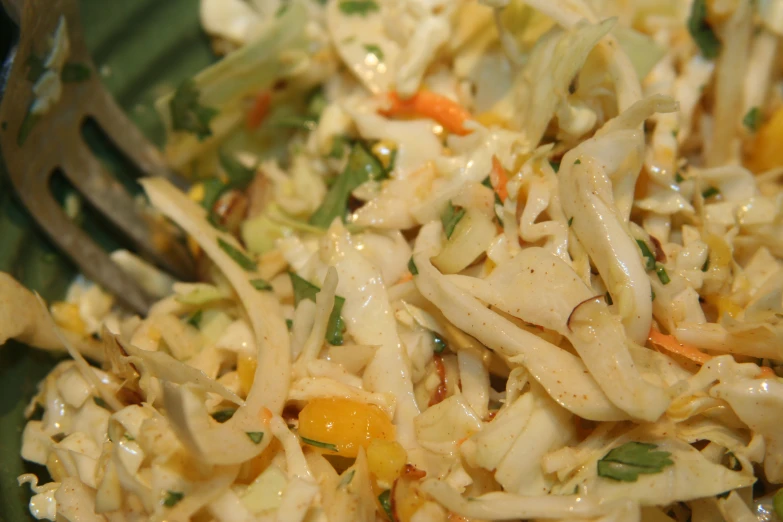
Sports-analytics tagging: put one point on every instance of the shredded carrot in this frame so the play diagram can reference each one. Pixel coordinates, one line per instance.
(499, 179)
(430, 105)
(766, 373)
(258, 112)
(671, 344)
(405, 278)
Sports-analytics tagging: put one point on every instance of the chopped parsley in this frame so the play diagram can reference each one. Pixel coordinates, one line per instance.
(195, 319)
(187, 113)
(239, 175)
(439, 342)
(362, 166)
(289, 323)
(625, 463)
(555, 166)
(412, 267)
(75, 73)
(385, 500)
(237, 255)
(261, 284)
(578, 162)
(319, 444)
(652, 294)
(650, 265)
(339, 143)
(570, 221)
(223, 415)
(450, 217)
(358, 7)
(100, 402)
(678, 177)
(172, 498)
(662, 275)
(701, 31)
(304, 289)
(752, 119)
(710, 192)
(256, 436)
(375, 51)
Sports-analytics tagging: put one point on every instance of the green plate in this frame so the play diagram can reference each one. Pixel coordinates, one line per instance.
(141, 48)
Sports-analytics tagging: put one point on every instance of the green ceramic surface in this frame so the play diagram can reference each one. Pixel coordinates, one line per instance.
(141, 47)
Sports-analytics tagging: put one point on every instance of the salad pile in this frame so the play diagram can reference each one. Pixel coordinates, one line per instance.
(459, 260)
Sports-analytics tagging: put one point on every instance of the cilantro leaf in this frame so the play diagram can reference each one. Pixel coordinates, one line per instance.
(172, 498)
(100, 402)
(304, 289)
(239, 176)
(385, 500)
(261, 284)
(450, 217)
(358, 7)
(187, 114)
(662, 275)
(752, 119)
(256, 436)
(701, 31)
(412, 267)
(375, 50)
(195, 319)
(362, 166)
(319, 444)
(223, 415)
(555, 166)
(625, 463)
(237, 256)
(647, 254)
(709, 192)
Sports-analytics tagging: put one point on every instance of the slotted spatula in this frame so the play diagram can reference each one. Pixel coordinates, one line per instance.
(37, 143)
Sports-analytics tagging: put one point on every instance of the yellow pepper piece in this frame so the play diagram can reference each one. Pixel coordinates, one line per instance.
(246, 369)
(67, 317)
(386, 459)
(765, 151)
(489, 119)
(347, 425)
(196, 192)
(384, 150)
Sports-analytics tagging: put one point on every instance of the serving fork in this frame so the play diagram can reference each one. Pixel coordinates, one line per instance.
(35, 143)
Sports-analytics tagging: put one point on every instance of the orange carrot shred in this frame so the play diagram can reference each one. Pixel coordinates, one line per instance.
(499, 179)
(428, 104)
(405, 278)
(672, 345)
(258, 111)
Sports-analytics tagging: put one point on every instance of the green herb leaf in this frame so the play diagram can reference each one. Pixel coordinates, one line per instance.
(450, 217)
(412, 267)
(213, 189)
(752, 119)
(336, 326)
(30, 120)
(647, 254)
(347, 478)
(339, 143)
(256, 436)
(195, 319)
(711, 191)
(608, 299)
(662, 275)
(319, 444)
(678, 177)
(706, 265)
(652, 294)
(555, 166)
(100, 402)
(570, 221)
(440, 343)
(239, 175)
(261, 284)
(374, 50)
(487, 183)
(777, 503)
(385, 500)
(625, 463)
(239, 258)
(303, 289)
(578, 162)
(129, 437)
(362, 166)
(187, 113)
(358, 7)
(172, 498)
(701, 31)
(75, 73)
(289, 323)
(223, 415)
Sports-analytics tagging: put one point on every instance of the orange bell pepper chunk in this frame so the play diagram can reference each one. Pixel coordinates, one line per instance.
(428, 104)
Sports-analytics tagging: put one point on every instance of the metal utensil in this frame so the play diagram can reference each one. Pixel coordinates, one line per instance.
(36, 143)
